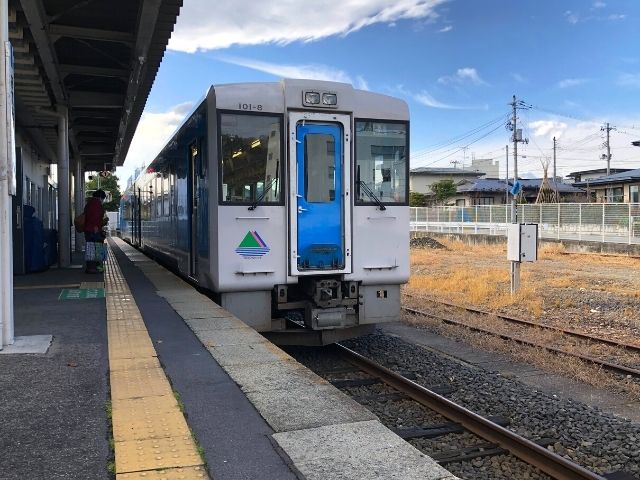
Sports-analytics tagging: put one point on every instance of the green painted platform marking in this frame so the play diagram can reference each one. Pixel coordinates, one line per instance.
(81, 293)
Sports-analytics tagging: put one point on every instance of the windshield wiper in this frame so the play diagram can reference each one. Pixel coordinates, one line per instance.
(371, 195)
(360, 184)
(267, 189)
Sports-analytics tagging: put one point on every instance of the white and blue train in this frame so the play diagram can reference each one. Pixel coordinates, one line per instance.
(284, 197)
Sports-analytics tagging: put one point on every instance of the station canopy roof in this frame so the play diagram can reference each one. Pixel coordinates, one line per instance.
(97, 57)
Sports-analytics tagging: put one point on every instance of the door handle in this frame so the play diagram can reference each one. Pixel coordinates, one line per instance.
(300, 210)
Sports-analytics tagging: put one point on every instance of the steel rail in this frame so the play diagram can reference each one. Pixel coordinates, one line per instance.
(567, 331)
(550, 463)
(621, 369)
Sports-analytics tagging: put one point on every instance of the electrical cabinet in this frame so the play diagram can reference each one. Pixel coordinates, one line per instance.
(522, 242)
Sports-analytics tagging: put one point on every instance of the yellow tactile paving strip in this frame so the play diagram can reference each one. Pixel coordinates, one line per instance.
(152, 440)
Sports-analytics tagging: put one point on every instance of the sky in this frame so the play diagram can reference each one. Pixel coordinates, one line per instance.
(574, 65)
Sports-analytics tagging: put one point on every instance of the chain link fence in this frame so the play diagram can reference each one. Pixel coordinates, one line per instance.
(594, 222)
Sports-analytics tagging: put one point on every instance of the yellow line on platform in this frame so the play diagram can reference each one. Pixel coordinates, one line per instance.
(151, 437)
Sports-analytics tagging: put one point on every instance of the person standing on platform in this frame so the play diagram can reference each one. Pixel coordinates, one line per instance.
(93, 234)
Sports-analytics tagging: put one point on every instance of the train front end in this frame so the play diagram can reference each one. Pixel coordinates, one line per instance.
(313, 221)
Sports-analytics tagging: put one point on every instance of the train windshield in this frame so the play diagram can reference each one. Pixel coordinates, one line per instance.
(251, 164)
(381, 160)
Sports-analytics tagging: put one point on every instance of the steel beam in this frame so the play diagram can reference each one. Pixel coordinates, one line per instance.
(83, 99)
(91, 34)
(148, 20)
(93, 71)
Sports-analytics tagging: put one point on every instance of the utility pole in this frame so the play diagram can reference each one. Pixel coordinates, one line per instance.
(555, 184)
(608, 129)
(554, 160)
(506, 174)
(517, 137)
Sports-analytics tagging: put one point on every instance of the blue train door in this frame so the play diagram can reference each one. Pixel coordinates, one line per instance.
(320, 210)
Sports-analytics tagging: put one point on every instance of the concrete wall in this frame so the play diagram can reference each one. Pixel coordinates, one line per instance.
(571, 246)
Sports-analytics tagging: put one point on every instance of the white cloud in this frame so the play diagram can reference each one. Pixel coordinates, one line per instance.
(548, 128)
(311, 71)
(572, 17)
(426, 99)
(617, 16)
(152, 134)
(463, 75)
(599, 4)
(519, 78)
(208, 25)
(571, 82)
(448, 28)
(629, 80)
(361, 83)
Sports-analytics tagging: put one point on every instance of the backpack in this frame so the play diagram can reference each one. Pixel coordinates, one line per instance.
(78, 222)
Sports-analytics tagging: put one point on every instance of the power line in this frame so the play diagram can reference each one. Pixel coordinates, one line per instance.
(458, 138)
(460, 148)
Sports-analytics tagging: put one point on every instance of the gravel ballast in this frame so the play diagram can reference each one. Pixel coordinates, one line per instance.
(588, 436)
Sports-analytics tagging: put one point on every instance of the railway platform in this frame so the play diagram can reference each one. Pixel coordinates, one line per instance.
(147, 378)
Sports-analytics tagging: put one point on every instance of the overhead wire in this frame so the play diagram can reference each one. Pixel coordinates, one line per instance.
(456, 139)
(463, 147)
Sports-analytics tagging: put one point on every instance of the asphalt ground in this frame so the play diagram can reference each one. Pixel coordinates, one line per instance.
(53, 423)
(235, 438)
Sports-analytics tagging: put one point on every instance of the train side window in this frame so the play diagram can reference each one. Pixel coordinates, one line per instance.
(382, 163)
(250, 158)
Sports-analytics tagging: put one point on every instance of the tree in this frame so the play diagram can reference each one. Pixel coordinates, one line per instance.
(444, 189)
(417, 199)
(108, 184)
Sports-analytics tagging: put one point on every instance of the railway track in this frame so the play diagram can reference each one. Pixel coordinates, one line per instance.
(499, 439)
(591, 339)
(521, 321)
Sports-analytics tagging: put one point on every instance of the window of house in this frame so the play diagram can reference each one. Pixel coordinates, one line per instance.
(460, 202)
(615, 195)
(251, 158)
(381, 152)
(634, 193)
(484, 201)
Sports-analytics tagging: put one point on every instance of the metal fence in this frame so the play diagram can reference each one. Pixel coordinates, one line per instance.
(595, 222)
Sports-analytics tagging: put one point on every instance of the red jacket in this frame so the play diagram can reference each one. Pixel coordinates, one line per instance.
(93, 215)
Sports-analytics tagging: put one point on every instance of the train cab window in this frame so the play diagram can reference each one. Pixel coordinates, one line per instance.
(381, 161)
(251, 158)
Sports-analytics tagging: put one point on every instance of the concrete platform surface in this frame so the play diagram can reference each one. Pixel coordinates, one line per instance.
(54, 424)
(28, 344)
(362, 450)
(320, 432)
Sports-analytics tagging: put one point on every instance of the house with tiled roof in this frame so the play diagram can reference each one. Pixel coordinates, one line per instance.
(621, 187)
(490, 191)
(421, 178)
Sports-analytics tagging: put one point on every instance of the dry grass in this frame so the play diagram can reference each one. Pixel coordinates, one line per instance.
(489, 288)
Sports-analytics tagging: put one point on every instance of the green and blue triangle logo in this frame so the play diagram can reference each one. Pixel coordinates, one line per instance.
(252, 246)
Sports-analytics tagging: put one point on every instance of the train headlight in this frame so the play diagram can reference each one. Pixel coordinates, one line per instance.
(312, 98)
(329, 99)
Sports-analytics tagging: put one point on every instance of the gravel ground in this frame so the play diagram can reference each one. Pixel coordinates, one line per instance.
(586, 435)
